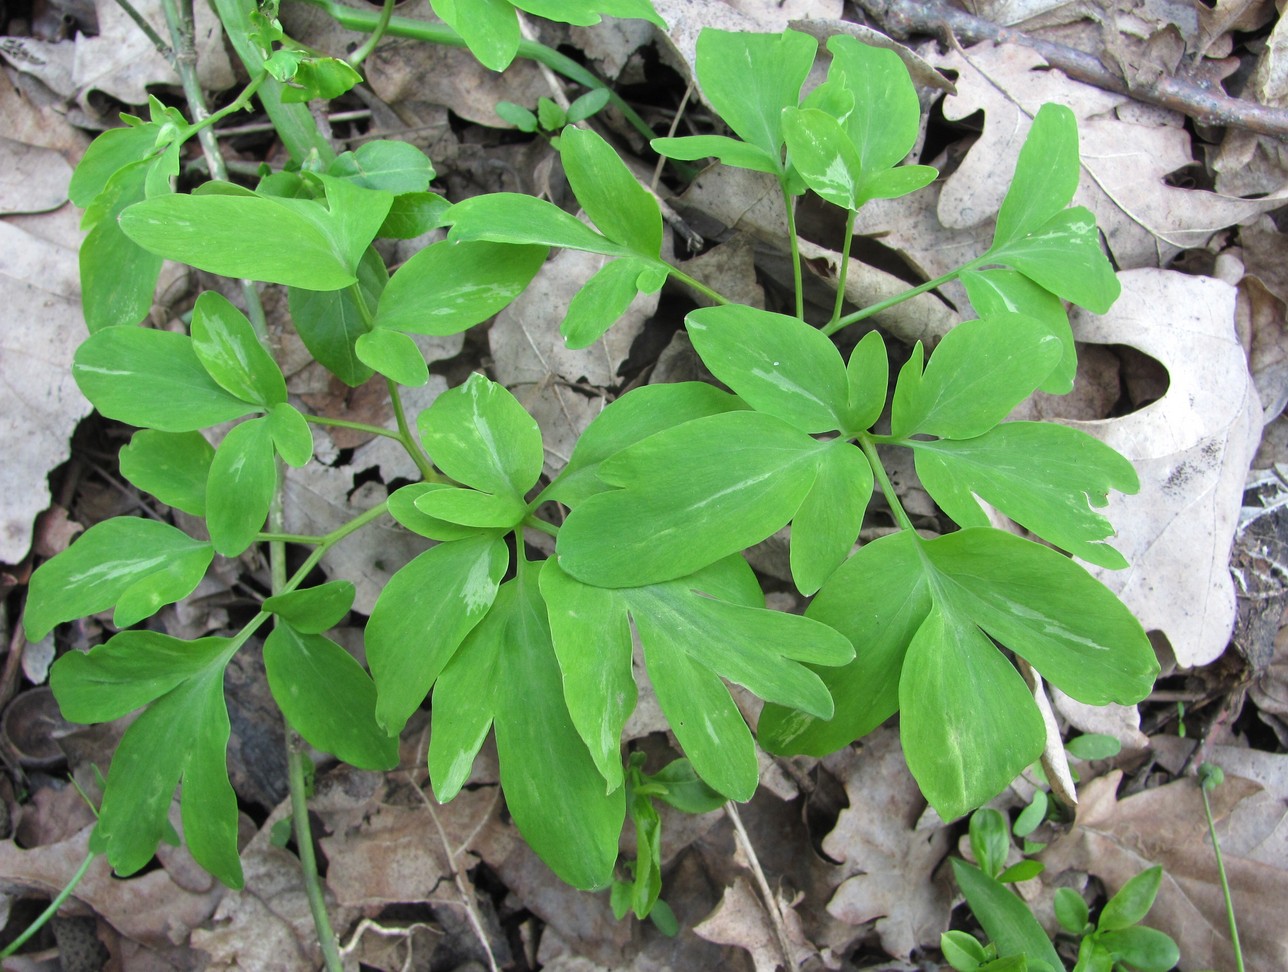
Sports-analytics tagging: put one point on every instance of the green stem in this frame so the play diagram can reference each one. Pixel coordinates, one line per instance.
(845, 268)
(268, 537)
(308, 860)
(369, 45)
(356, 426)
(366, 21)
(798, 283)
(697, 285)
(242, 101)
(883, 480)
(889, 302)
(43, 918)
(1225, 883)
(539, 524)
(148, 30)
(427, 470)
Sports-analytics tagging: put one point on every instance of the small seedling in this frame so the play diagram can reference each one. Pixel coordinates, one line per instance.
(550, 118)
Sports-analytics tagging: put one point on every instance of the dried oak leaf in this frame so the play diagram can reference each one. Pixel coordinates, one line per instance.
(888, 849)
(1117, 839)
(1191, 450)
(740, 919)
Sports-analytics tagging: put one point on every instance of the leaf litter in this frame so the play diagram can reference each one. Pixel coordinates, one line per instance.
(855, 863)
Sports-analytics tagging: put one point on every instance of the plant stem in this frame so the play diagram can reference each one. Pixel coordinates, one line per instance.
(43, 918)
(697, 285)
(356, 426)
(241, 102)
(889, 302)
(539, 524)
(427, 470)
(845, 268)
(148, 30)
(366, 21)
(369, 45)
(762, 884)
(883, 480)
(308, 860)
(798, 283)
(1225, 884)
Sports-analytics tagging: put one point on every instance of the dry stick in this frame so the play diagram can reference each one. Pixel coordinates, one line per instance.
(1204, 103)
(771, 903)
(556, 89)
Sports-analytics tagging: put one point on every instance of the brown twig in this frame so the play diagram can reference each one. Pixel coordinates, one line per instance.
(766, 893)
(1203, 101)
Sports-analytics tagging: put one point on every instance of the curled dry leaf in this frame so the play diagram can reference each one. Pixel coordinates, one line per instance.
(1117, 839)
(740, 920)
(1191, 450)
(889, 853)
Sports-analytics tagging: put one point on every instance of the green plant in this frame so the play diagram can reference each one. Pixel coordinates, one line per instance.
(1210, 777)
(664, 490)
(549, 117)
(1116, 942)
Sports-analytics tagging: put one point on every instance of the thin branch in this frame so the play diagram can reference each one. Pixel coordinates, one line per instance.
(771, 902)
(148, 30)
(1203, 102)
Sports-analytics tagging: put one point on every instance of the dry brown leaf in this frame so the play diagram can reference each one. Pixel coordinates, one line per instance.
(1127, 153)
(1191, 450)
(740, 919)
(41, 327)
(889, 855)
(562, 388)
(32, 179)
(1116, 840)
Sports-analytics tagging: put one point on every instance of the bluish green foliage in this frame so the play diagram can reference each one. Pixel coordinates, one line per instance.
(663, 493)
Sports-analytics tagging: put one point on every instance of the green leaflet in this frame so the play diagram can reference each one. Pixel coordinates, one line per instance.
(448, 287)
(312, 610)
(978, 373)
(396, 167)
(292, 437)
(469, 507)
(181, 738)
(886, 118)
(510, 217)
(690, 495)
(827, 524)
(227, 347)
(1005, 917)
(172, 466)
(136, 565)
(868, 376)
(403, 508)
(603, 299)
(586, 13)
(1041, 475)
(630, 419)
(421, 617)
(920, 610)
(488, 27)
(1046, 175)
(310, 245)
(327, 697)
(110, 152)
(118, 277)
(506, 674)
(777, 364)
(239, 491)
(413, 214)
(479, 434)
(693, 631)
(1064, 256)
(621, 208)
(330, 322)
(730, 151)
(394, 355)
(997, 292)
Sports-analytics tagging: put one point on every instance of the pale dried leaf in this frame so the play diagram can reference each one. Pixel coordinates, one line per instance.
(1116, 840)
(890, 857)
(740, 919)
(41, 327)
(32, 179)
(1191, 450)
(1125, 159)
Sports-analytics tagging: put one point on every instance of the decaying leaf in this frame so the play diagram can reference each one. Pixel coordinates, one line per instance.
(1117, 839)
(1191, 450)
(889, 849)
(741, 920)
(38, 284)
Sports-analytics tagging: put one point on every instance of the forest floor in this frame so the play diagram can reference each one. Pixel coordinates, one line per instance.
(1187, 375)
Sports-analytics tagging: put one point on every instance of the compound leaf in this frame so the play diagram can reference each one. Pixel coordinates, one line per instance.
(777, 364)
(327, 697)
(1045, 477)
(821, 152)
(152, 379)
(172, 466)
(134, 564)
(421, 617)
(690, 495)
